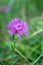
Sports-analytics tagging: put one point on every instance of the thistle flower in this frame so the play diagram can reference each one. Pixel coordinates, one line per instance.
(16, 26)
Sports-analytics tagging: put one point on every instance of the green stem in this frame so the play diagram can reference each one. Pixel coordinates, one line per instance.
(17, 51)
(21, 55)
(37, 59)
(37, 32)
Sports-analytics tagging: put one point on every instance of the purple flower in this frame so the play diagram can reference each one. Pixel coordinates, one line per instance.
(16, 26)
(4, 9)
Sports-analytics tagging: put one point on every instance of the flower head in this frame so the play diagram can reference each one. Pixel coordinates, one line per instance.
(4, 9)
(16, 26)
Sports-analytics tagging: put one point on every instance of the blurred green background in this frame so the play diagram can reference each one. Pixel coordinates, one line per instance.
(31, 47)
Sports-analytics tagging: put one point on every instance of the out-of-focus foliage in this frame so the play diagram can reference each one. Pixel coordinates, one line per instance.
(31, 47)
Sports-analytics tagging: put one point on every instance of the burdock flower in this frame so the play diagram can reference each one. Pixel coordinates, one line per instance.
(16, 26)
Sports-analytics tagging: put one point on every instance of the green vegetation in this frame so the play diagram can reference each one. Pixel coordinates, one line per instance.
(29, 49)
